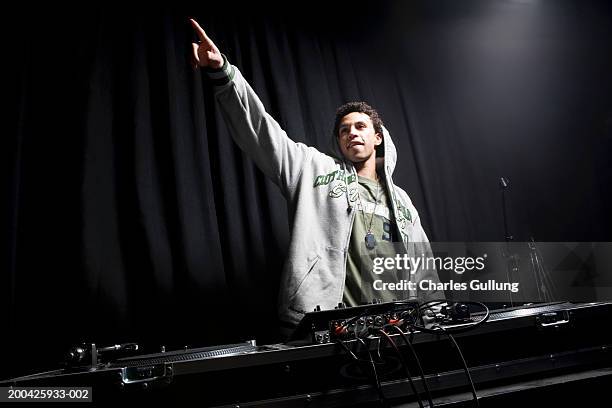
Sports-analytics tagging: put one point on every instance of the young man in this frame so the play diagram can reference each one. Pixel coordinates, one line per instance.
(341, 207)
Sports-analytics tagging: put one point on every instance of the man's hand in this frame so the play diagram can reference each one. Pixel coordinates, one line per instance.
(205, 53)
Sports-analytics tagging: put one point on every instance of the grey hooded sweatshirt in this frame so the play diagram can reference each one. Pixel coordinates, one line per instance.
(321, 193)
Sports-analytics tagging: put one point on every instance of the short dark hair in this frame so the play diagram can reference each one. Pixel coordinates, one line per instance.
(362, 107)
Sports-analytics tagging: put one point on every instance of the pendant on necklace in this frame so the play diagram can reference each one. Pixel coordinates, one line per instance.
(370, 241)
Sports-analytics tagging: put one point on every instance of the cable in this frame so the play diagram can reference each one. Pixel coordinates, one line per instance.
(348, 350)
(381, 396)
(380, 358)
(465, 367)
(418, 363)
(352, 354)
(450, 331)
(403, 361)
(426, 305)
(437, 330)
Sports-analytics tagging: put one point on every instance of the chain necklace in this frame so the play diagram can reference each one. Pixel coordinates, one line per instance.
(370, 240)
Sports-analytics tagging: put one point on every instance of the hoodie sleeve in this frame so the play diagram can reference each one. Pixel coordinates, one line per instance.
(255, 131)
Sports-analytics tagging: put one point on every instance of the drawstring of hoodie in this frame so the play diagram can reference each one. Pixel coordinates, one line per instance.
(349, 207)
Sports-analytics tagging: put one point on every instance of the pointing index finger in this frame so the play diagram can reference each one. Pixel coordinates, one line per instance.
(200, 31)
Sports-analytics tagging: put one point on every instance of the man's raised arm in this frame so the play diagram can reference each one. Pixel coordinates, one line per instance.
(251, 127)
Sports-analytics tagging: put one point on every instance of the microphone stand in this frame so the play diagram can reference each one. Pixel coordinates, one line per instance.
(504, 183)
(512, 265)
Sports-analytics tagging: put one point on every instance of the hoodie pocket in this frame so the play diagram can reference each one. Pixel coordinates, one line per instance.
(311, 265)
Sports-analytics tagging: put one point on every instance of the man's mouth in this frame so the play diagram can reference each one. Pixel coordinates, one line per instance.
(353, 144)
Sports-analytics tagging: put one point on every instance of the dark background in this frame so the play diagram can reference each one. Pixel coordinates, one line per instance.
(132, 216)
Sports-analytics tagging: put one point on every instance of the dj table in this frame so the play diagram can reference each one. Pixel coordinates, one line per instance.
(555, 351)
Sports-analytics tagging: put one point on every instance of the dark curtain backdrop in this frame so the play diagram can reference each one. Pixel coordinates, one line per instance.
(132, 216)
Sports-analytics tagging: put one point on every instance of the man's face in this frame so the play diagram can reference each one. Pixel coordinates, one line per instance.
(357, 137)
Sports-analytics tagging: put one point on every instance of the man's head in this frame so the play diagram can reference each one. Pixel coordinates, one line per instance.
(358, 129)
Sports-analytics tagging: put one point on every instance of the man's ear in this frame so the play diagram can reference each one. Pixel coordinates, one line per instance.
(379, 139)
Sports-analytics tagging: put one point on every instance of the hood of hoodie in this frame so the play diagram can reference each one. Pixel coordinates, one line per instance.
(388, 158)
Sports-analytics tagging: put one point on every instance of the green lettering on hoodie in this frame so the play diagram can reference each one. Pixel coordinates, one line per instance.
(404, 211)
(325, 179)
